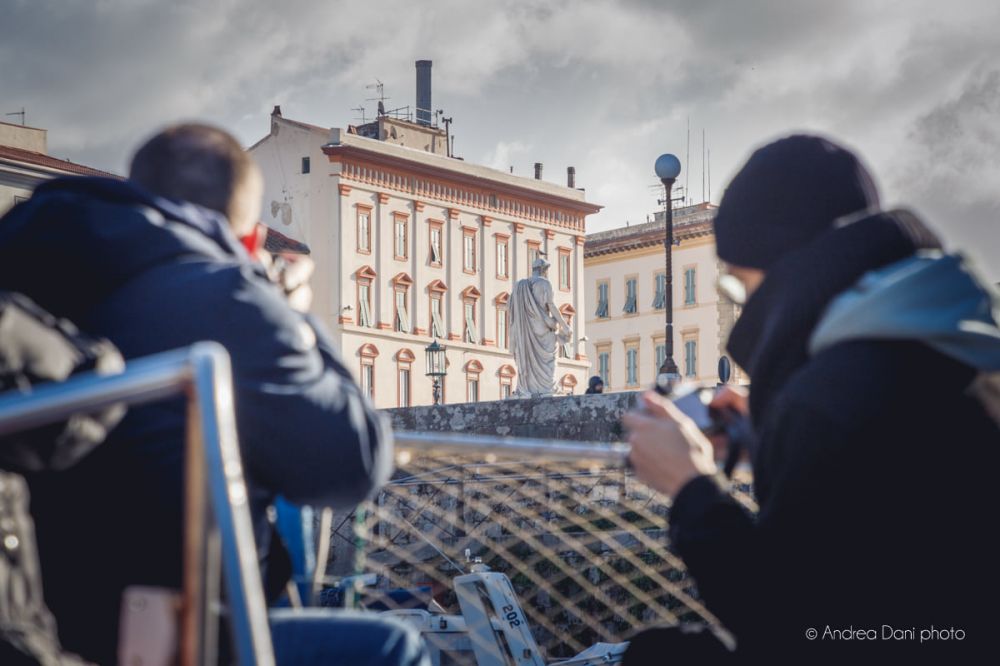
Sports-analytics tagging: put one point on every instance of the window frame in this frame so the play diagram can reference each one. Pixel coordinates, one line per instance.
(404, 363)
(366, 211)
(469, 243)
(367, 354)
(502, 331)
(691, 359)
(691, 287)
(631, 371)
(438, 226)
(535, 247)
(400, 221)
(603, 352)
(633, 300)
(473, 372)
(365, 279)
(659, 295)
(565, 256)
(606, 284)
(502, 241)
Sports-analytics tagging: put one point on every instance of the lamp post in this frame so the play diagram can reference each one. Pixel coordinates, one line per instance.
(667, 168)
(436, 369)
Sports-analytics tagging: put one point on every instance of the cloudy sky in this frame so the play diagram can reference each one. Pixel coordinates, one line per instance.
(604, 86)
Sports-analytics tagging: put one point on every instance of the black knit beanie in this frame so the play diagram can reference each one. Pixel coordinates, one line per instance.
(787, 193)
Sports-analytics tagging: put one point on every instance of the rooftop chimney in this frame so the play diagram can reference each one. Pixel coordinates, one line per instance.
(538, 170)
(276, 111)
(424, 92)
(571, 177)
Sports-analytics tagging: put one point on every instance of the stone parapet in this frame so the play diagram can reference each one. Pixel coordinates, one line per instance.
(578, 417)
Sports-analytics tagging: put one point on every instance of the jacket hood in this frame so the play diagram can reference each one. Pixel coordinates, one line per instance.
(78, 239)
(932, 298)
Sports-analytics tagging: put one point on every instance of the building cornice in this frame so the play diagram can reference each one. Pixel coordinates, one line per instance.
(489, 197)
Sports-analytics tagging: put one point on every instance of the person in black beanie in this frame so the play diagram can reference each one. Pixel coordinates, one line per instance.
(875, 404)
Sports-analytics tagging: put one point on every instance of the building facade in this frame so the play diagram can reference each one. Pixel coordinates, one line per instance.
(25, 163)
(625, 306)
(412, 245)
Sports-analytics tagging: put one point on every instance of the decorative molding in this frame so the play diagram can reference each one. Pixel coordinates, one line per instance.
(569, 380)
(368, 350)
(518, 227)
(383, 198)
(469, 229)
(344, 320)
(507, 371)
(431, 182)
(567, 309)
(344, 189)
(487, 220)
(489, 343)
(419, 331)
(418, 206)
(581, 240)
(404, 355)
(453, 213)
(502, 298)
(473, 366)
(453, 337)
(382, 326)
(550, 234)
(437, 286)
(581, 357)
(401, 279)
(365, 273)
(471, 292)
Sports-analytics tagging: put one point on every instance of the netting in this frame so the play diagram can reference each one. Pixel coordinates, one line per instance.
(584, 545)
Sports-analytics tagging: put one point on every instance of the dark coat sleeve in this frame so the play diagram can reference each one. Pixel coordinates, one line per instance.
(760, 577)
(306, 431)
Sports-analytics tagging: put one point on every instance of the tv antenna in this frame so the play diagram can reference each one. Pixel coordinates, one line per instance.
(18, 113)
(447, 128)
(361, 110)
(379, 88)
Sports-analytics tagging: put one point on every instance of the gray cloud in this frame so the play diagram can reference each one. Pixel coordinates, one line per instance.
(605, 86)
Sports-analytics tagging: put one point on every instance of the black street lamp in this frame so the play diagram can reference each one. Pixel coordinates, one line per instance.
(436, 367)
(667, 168)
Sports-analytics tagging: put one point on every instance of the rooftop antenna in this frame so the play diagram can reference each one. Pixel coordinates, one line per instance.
(380, 92)
(702, 163)
(710, 175)
(687, 160)
(447, 128)
(18, 113)
(361, 110)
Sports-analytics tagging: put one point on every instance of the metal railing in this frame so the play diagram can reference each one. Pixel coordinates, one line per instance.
(217, 525)
(583, 542)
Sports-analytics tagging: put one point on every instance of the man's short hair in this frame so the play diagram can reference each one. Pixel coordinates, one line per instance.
(201, 164)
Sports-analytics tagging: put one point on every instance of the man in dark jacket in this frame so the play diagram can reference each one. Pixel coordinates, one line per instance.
(875, 366)
(152, 273)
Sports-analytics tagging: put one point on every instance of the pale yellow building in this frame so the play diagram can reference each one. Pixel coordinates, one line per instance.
(411, 244)
(624, 275)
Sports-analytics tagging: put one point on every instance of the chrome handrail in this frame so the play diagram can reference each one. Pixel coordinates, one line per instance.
(521, 448)
(202, 373)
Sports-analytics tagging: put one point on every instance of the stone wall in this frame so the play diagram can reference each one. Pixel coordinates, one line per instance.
(576, 417)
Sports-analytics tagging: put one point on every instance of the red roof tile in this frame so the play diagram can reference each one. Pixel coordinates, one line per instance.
(277, 243)
(48, 162)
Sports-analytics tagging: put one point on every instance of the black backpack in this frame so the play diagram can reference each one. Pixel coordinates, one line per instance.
(35, 347)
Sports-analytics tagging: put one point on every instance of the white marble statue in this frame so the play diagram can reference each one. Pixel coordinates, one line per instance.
(535, 326)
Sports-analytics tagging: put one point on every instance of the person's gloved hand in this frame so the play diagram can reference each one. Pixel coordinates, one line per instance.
(668, 449)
